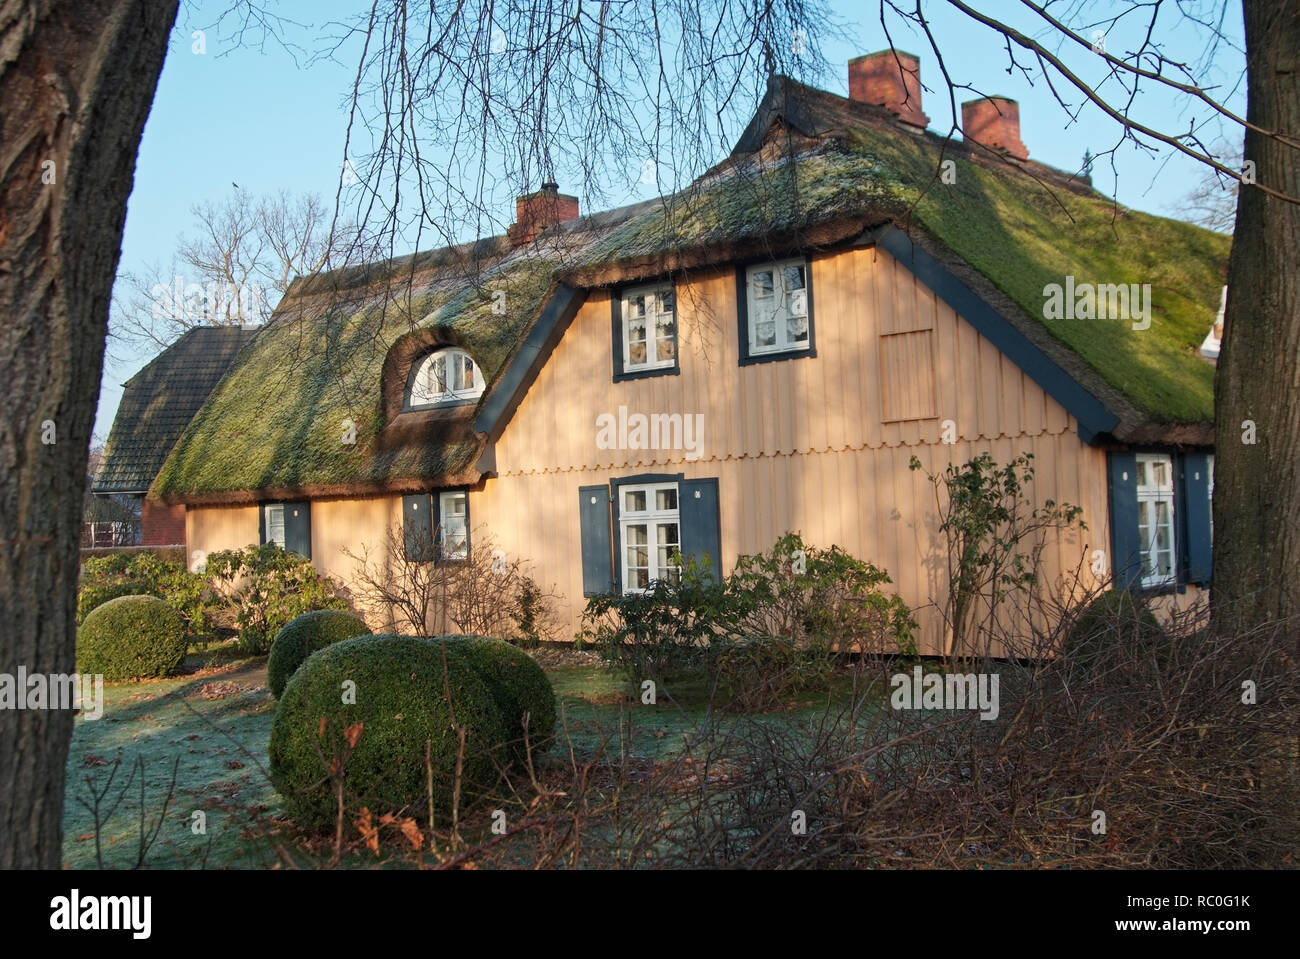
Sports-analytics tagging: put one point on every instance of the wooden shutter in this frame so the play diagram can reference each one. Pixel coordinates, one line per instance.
(297, 528)
(1125, 546)
(701, 523)
(1195, 510)
(596, 543)
(417, 527)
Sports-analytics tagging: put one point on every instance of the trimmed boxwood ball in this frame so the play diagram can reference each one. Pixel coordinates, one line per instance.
(1114, 622)
(519, 685)
(302, 636)
(131, 637)
(400, 704)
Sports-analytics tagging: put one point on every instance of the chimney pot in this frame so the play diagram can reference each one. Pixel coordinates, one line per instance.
(535, 212)
(877, 79)
(994, 122)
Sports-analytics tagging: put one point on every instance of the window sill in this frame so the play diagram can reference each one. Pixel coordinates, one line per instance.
(751, 358)
(641, 374)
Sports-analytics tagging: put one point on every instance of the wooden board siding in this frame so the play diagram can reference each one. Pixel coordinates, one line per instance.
(806, 444)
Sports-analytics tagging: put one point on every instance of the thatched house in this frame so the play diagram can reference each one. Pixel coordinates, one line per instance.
(763, 352)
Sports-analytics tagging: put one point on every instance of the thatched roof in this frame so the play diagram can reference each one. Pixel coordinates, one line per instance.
(812, 171)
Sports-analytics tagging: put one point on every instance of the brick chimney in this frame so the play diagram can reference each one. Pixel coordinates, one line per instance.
(994, 122)
(536, 212)
(877, 79)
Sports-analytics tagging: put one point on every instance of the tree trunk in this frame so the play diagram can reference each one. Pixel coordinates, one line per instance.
(77, 78)
(1257, 485)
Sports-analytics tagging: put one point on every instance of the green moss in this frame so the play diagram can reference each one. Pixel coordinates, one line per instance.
(277, 419)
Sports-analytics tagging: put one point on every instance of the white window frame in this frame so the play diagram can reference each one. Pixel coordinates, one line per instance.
(267, 509)
(1209, 482)
(655, 295)
(784, 304)
(652, 518)
(421, 392)
(1149, 495)
(460, 527)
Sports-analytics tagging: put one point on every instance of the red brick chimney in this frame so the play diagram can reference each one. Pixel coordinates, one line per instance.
(536, 212)
(877, 79)
(994, 122)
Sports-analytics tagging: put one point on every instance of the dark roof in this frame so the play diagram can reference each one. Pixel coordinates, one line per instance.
(159, 402)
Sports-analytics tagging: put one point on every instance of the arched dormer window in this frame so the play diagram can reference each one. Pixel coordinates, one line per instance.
(443, 378)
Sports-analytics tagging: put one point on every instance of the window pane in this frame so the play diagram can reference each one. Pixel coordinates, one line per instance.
(666, 499)
(275, 524)
(765, 332)
(796, 329)
(1142, 473)
(798, 302)
(762, 283)
(636, 305)
(666, 534)
(467, 382)
(793, 278)
(636, 353)
(438, 375)
(634, 501)
(667, 301)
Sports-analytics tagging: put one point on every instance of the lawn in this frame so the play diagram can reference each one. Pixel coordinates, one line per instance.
(212, 725)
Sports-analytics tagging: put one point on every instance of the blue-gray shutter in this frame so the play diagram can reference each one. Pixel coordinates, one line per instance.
(1195, 508)
(593, 521)
(297, 528)
(701, 530)
(1125, 544)
(417, 527)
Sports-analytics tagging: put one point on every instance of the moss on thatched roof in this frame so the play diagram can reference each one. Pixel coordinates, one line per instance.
(812, 171)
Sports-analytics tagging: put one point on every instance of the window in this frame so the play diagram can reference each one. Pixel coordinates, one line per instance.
(453, 525)
(274, 524)
(444, 378)
(649, 329)
(1155, 502)
(650, 533)
(778, 316)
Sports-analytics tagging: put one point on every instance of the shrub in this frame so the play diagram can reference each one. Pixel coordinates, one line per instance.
(666, 631)
(759, 672)
(269, 587)
(373, 753)
(302, 636)
(144, 574)
(519, 685)
(1115, 624)
(131, 637)
(819, 597)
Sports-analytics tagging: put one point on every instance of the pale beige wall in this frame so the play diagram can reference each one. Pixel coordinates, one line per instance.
(798, 444)
(212, 528)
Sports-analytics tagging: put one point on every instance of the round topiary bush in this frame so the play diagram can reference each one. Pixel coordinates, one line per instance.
(400, 709)
(302, 636)
(1116, 622)
(519, 685)
(131, 637)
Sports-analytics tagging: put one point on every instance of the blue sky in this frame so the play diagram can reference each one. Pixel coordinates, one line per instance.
(270, 121)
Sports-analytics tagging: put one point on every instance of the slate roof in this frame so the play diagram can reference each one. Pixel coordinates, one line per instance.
(159, 402)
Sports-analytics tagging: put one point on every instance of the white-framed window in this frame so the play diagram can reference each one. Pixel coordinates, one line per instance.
(453, 525)
(649, 328)
(273, 523)
(447, 376)
(650, 532)
(777, 301)
(1155, 496)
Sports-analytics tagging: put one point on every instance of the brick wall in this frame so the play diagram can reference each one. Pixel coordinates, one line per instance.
(994, 122)
(162, 525)
(877, 79)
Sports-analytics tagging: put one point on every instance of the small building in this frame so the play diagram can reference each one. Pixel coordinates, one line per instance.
(157, 404)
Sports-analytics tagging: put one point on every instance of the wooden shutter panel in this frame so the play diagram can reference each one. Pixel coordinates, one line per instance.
(417, 527)
(1195, 508)
(593, 520)
(297, 528)
(701, 528)
(1125, 547)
